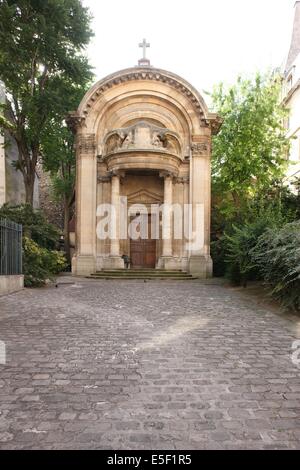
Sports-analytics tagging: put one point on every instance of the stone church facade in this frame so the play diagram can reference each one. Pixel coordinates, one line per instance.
(143, 140)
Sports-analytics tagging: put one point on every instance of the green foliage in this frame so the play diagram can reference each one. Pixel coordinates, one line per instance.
(42, 66)
(59, 159)
(40, 264)
(238, 247)
(274, 208)
(249, 152)
(248, 168)
(217, 251)
(40, 259)
(57, 144)
(34, 224)
(277, 256)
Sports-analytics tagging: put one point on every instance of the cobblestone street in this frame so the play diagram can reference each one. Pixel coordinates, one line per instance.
(155, 365)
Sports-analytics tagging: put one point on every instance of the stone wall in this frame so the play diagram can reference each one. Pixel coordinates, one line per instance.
(10, 284)
(52, 209)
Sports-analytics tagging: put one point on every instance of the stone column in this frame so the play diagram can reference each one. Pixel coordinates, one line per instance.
(114, 261)
(167, 260)
(115, 202)
(167, 217)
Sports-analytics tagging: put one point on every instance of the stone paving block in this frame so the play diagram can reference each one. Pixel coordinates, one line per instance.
(103, 366)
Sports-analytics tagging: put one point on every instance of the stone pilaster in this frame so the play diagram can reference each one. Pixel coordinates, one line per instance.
(200, 263)
(84, 262)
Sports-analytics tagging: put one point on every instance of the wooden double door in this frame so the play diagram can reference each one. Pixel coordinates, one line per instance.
(143, 250)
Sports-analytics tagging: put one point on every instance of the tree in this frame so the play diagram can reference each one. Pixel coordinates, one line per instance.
(250, 151)
(57, 143)
(41, 61)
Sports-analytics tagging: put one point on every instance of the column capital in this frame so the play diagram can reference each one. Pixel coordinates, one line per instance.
(166, 174)
(200, 149)
(182, 180)
(86, 144)
(75, 122)
(118, 173)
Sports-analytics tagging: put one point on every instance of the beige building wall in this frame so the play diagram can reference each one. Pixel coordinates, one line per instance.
(144, 134)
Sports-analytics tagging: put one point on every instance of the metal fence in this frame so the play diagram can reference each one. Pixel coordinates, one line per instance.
(10, 248)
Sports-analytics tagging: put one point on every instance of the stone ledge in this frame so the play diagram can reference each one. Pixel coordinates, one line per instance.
(10, 284)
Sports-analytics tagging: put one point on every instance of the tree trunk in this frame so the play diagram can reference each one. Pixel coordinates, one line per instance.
(29, 189)
(66, 229)
(27, 166)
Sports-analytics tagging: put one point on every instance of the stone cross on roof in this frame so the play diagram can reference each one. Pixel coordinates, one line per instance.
(144, 62)
(144, 45)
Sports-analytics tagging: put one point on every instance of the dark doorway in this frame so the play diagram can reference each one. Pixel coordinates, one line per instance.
(143, 251)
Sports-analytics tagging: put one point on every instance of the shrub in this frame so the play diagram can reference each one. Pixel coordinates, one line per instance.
(238, 246)
(218, 256)
(240, 238)
(277, 256)
(34, 223)
(40, 264)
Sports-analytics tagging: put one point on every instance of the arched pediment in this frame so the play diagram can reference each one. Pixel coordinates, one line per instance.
(143, 73)
(174, 88)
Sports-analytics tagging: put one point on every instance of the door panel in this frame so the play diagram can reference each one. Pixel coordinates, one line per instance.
(143, 252)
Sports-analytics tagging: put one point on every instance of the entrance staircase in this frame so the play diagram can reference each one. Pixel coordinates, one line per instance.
(145, 274)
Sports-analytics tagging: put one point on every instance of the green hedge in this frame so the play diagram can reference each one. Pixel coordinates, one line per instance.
(239, 263)
(40, 264)
(40, 259)
(34, 222)
(265, 250)
(277, 256)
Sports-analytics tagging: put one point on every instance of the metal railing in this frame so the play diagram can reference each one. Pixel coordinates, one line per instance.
(10, 248)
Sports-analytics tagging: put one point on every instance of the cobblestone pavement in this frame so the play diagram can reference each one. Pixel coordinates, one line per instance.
(133, 365)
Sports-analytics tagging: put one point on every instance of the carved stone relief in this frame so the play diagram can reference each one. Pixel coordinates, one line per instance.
(200, 148)
(86, 143)
(142, 135)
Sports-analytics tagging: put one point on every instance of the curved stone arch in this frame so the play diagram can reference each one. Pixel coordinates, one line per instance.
(169, 111)
(146, 74)
(155, 118)
(119, 111)
(178, 103)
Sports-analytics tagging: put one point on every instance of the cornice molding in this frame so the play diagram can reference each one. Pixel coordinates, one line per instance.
(207, 118)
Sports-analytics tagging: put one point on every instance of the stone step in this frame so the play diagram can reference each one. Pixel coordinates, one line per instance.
(143, 274)
(145, 278)
(128, 275)
(146, 274)
(140, 271)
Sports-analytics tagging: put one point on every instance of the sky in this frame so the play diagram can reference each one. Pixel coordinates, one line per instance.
(204, 41)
